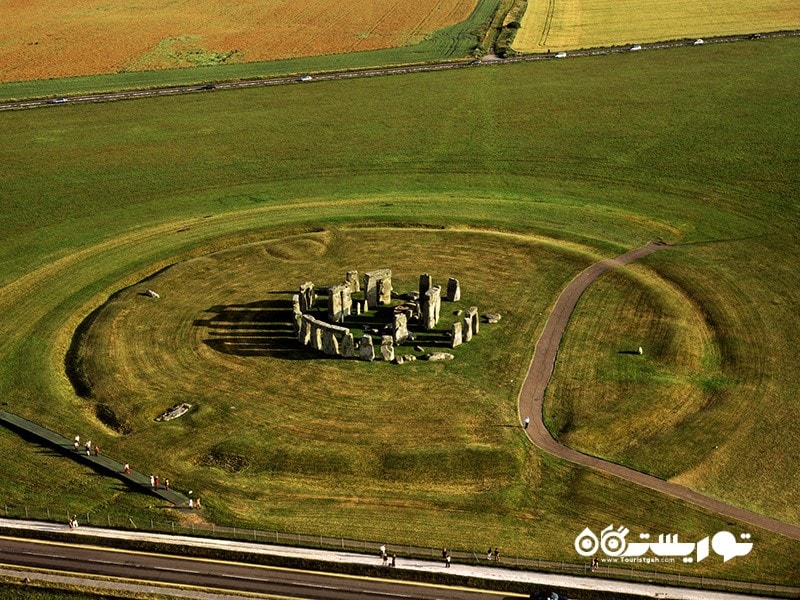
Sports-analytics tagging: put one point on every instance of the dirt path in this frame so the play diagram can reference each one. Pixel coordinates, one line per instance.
(541, 369)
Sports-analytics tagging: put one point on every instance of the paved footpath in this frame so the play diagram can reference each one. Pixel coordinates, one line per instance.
(136, 480)
(487, 571)
(531, 401)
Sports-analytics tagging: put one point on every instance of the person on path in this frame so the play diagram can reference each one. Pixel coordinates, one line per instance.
(382, 550)
(126, 469)
(88, 447)
(384, 559)
(489, 553)
(527, 422)
(74, 521)
(77, 445)
(394, 559)
(496, 555)
(96, 451)
(197, 503)
(447, 560)
(155, 485)
(166, 484)
(152, 481)
(191, 503)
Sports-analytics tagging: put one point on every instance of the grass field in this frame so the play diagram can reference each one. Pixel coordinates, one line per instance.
(86, 37)
(591, 157)
(571, 24)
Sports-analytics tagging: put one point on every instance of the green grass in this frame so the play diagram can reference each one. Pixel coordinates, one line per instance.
(449, 43)
(581, 158)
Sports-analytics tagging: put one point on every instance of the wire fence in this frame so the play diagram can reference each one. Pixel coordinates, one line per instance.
(243, 534)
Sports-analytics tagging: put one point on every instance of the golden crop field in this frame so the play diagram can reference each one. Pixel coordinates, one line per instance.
(43, 39)
(572, 24)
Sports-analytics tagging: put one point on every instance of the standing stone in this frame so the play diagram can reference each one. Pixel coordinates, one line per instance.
(358, 308)
(467, 333)
(351, 279)
(472, 313)
(431, 307)
(330, 345)
(453, 290)
(366, 351)
(297, 323)
(456, 333)
(305, 331)
(348, 348)
(425, 283)
(400, 327)
(387, 348)
(378, 287)
(308, 297)
(316, 335)
(340, 303)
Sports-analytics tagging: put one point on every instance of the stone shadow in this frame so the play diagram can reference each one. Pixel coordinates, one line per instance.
(261, 328)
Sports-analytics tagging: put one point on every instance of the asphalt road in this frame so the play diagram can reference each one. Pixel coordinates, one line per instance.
(188, 89)
(220, 575)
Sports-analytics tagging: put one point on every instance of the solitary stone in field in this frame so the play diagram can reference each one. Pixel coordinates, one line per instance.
(640, 351)
(387, 348)
(366, 351)
(152, 294)
(351, 279)
(455, 334)
(453, 290)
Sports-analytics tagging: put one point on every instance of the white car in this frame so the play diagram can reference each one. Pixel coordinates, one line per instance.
(635, 47)
(698, 42)
(305, 78)
(561, 54)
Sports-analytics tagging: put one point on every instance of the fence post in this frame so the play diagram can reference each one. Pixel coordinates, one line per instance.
(26, 511)
(109, 519)
(48, 513)
(87, 518)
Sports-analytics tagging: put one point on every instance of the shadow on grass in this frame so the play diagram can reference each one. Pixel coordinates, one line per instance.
(264, 328)
(261, 328)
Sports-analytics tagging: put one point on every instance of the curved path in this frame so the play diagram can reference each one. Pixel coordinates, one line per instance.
(541, 369)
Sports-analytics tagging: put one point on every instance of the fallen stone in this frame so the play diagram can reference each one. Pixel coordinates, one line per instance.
(439, 356)
(492, 317)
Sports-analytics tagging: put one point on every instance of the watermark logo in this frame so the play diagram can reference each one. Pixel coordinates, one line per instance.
(613, 544)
